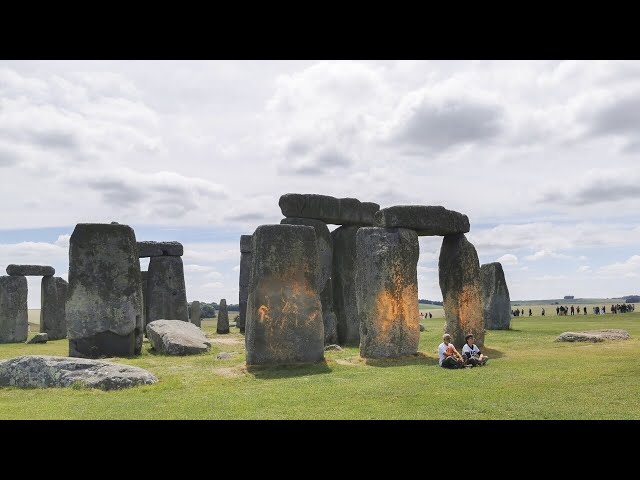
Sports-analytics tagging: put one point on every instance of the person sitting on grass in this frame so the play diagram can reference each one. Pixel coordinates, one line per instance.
(449, 356)
(472, 354)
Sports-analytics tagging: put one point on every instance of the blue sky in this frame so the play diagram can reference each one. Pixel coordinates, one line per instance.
(541, 155)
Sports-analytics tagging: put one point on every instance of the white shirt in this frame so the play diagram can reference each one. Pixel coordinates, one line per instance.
(470, 351)
(441, 349)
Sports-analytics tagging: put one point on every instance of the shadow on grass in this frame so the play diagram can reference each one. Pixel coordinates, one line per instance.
(267, 372)
(419, 358)
(491, 353)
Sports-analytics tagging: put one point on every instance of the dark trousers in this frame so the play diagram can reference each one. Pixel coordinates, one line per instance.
(451, 362)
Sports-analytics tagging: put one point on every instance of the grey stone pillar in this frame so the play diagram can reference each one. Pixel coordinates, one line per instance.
(14, 315)
(53, 298)
(195, 313)
(166, 290)
(245, 273)
(344, 285)
(223, 318)
(496, 302)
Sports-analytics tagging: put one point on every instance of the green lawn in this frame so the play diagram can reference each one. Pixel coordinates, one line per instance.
(528, 376)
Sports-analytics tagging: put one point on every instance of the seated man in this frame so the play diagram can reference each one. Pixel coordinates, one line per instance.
(449, 356)
(471, 353)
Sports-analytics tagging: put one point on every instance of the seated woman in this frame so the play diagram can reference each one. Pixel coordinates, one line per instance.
(449, 356)
(471, 353)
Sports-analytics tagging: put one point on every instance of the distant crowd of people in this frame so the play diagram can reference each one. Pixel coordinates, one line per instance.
(426, 315)
(561, 310)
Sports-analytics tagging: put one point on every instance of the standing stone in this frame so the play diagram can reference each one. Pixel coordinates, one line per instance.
(459, 272)
(166, 290)
(325, 258)
(223, 318)
(284, 313)
(387, 291)
(53, 298)
(104, 300)
(14, 315)
(245, 272)
(496, 301)
(195, 313)
(145, 276)
(339, 211)
(344, 285)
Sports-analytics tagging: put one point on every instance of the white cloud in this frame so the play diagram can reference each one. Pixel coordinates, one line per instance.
(508, 259)
(583, 269)
(629, 268)
(539, 255)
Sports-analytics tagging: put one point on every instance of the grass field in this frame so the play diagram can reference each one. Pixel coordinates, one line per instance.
(528, 376)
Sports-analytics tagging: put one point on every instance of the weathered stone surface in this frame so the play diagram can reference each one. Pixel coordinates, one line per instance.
(39, 338)
(53, 299)
(194, 314)
(387, 291)
(246, 243)
(166, 290)
(338, 211)
(31, 270)
(14, 316)
(325, 286)
(224, 356)
(284, 313)
(176, 337)
(246, 246)
(41, 371)
(594, 335)
(104, 302)
(344, 285)
(425, 220)
(421, 327)
(159, 249)
(495, 297)
(459, 272)
(222, 325)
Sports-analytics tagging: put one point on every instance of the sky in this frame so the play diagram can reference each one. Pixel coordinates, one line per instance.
(543, 156)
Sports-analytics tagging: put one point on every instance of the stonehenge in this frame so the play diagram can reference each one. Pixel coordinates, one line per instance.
(284, 315)
(223, 318)
(104, 300)
(14, 321)
(495, 297)
(365, 273)
(160, 249)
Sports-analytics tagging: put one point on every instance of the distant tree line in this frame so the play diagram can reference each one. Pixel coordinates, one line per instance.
(632, 299)
(208, 310)
(429, 302)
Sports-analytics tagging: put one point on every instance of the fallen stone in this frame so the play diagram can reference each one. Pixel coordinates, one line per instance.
(31, 270)
(223, 356)
(42, 371)
(14, 314)
(39, 338)
(177, 337)
(425, 220)
(338, 211)
(594, 335)
(496, 301)
(421, 327)
(387, 291)
(333, 347)
(459, 275)
(159, 249)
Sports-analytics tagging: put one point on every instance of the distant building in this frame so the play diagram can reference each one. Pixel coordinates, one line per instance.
(568, 297)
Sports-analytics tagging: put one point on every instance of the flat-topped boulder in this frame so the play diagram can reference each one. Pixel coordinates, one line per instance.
(39, 338)
(425, 220)
(177, 337)
(43, 371)
(160, 249)
(338, 211)
(594, 335)
(31, 270)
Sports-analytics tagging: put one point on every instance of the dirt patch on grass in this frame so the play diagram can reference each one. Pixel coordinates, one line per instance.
(227, 340)
(350, 361)
(231, 372)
